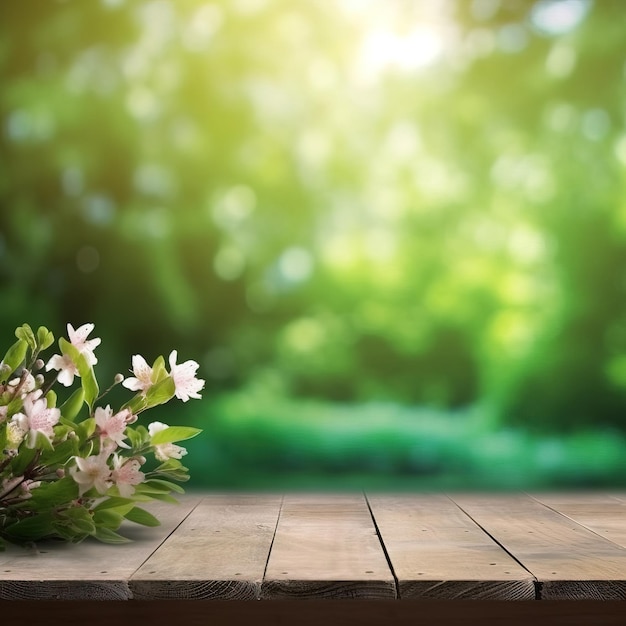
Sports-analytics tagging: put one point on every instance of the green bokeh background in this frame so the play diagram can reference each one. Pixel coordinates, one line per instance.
(392, 233)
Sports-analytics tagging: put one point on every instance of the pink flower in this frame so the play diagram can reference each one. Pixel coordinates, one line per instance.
(126, 474)
(184, 377)
(78, 338)
(112, 427)
(66, 367)
(37, 418)
(142, 381)
(92, 471)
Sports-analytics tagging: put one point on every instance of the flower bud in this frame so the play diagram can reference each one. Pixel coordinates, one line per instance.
(60, 472)
(39, 380)
(39, 363)
(118, 378)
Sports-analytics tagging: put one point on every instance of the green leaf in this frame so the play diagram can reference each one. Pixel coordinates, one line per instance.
(163, 485)
(13, 358)
(159, 372)
(114, 503)
(174, 433)
(160, 393)
(63, 531)
(108, 518)
(31, 528)
(173, 469)
(44, 338)
(51, 399)
(85, 429)
(136, 404)
(88, 382)
(42, 442)
(72, 406)
(162, 496)
(24, 458)
(79, 519)
(14, 406)
(106, 535)
(138, 436)
(61, 452)
(141, 516)
(82, 526)
(55, 493)
(25, 332)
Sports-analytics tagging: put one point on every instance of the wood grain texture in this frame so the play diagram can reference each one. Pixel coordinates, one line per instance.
(601, 514)
(438, 552)
(326, 546)
(90, 570)
(219, 552)
(568, 560)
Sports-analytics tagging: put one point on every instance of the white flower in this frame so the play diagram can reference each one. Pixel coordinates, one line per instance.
(92, 471)
(165, 451)
(67, 368)
(78, 338)
(37, 418)
(142, 379)
(15, 435)
(3, 414)
(29, 384)
(126, 474)
(112, 427)
(184, 377)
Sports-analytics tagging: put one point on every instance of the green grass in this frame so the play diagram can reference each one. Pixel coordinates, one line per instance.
(254, 440)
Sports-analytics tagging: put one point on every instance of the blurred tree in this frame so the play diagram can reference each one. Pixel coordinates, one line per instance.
(419, 202)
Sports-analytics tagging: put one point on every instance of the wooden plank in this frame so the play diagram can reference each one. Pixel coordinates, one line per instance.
(574, 497)
(219, 552)
(90, 570)
(600, 513)
(438, 552)
(568, 560)
(618, 495)
(326, 546)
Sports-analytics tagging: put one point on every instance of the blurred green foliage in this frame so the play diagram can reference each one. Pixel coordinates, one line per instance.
(419, 203)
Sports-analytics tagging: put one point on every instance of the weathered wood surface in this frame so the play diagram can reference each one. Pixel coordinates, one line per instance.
(438, 552)
(89, 570)
(569, 560)
(327, 546)
(219, 552)
(602, 514)
(238, 547)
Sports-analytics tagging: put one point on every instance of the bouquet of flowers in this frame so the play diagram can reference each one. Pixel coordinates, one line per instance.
(71, 468)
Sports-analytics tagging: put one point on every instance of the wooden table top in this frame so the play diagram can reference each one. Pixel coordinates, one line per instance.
(221, 546)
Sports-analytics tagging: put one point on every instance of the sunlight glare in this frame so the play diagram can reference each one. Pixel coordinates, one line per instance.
(385, 49)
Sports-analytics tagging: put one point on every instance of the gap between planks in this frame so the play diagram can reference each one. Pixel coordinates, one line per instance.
(569, 560)
(437, 552)
(326, 546)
